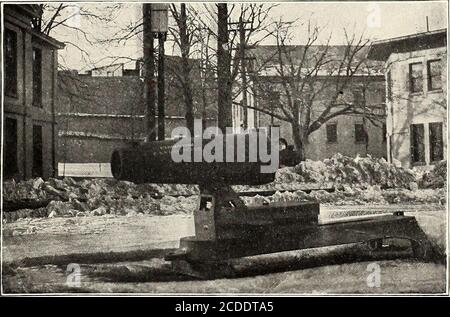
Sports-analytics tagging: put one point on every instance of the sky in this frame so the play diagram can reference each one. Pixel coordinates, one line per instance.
(376, 20)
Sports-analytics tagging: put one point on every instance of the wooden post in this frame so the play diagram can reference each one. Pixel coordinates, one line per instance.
(242, 47)
(161, 88)
(149, 73)
(223, 69)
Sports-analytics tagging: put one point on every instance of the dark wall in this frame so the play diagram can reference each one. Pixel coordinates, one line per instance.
(98, 114)
(20, 108)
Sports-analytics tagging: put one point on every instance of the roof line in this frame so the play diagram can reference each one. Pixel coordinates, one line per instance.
(44, 37)
(409, 36)
(104, 66)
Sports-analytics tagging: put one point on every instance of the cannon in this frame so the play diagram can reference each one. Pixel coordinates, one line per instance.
(226, 228)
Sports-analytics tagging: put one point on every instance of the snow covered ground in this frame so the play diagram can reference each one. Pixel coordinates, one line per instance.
(124, 254)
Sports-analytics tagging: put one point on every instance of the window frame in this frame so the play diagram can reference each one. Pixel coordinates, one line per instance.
(411, 78)
(358, 97)
(364, 134)
(14, 86)
(429, 77)
(10, 155)
(389, 85)
(423, 161)
(37, 150)
(37, 93)
(332, 124)
(430, 143)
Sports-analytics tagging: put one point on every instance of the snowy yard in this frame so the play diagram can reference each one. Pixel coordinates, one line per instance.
(124, 254)
(118, 233)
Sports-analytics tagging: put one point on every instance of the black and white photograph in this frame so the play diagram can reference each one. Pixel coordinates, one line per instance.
(224, 149)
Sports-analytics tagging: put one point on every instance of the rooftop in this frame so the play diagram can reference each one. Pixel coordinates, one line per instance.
(21, 15)
(266, 58)
(382, 49)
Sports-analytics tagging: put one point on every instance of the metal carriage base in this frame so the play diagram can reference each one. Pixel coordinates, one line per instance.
(225, 228)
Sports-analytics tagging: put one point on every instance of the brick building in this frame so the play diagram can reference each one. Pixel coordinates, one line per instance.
(98, 113)
(346, 134)
(416, 96)
(30, 78)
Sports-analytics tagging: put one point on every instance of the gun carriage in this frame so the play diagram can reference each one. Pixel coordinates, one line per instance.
(226, 228)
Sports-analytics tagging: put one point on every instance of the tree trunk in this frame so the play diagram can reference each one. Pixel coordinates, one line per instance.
(185, 49)
(299, 140)
(188, 100)
(223, 69)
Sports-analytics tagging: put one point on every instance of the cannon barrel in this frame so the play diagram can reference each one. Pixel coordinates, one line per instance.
(152, 162)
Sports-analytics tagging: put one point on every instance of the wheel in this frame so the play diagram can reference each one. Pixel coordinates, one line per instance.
(375, 245)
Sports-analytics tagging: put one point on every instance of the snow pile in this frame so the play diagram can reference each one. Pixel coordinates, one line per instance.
(67, 188)
(357, 181)
(435, 178)
(97, 197)
(371, 195)
(87, 189)
(360, 171)
(340, 171)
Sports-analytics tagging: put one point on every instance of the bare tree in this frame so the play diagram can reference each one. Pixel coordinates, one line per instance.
(184, 36)
(256, 22)
(305, 84)
(67, 16)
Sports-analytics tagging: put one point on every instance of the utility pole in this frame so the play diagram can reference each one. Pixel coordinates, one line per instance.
(204, 73)
(161, 87)
(241, 29)
(149, 73)
(242, 47)
(160, 27)
(223, 69)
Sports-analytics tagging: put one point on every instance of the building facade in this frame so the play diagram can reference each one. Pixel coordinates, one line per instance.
(349, 135)
(416, 96)
(30, 63)
(98, 113)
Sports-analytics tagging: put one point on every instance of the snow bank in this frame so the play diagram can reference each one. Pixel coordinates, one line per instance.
(357, 181)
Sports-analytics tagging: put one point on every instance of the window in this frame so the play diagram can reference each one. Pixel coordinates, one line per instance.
(384, 131)
(436, 142)
(360, 133)
(37, 151)
(274, 97)
(415, 77)
(434, 69)
(331, 133)
(358, 97)
(417, 144)
(10, 150)
(37, 77)
(389, 85)
(10, 67)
